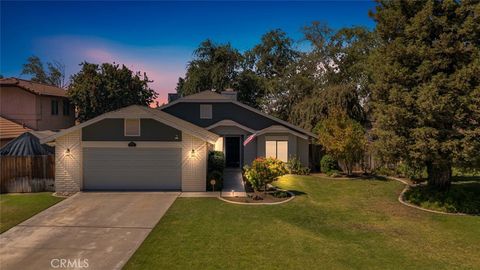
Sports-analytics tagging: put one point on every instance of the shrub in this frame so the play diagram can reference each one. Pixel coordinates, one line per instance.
(280, 194)
(328, 164)
(264, 171)
(294, 166)
(215, 166)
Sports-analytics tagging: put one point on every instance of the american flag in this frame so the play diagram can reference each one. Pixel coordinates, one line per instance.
(249, 139)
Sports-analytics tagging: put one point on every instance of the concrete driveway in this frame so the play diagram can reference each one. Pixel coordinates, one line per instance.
(86, 231)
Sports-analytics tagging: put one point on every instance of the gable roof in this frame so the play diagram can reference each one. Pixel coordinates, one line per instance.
(137, 111)
(26, 144)
(34, 87)
(10, 129)
(211, 96)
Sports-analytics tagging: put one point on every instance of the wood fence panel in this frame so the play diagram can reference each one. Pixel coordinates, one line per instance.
(27, 174)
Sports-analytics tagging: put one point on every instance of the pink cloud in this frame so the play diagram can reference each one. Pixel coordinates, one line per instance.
(162, 64)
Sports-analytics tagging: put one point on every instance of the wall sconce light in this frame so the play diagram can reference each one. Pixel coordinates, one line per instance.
(192, 153)
(67, 152)
(132, 144)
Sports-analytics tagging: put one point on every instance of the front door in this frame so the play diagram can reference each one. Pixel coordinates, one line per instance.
(232, 152)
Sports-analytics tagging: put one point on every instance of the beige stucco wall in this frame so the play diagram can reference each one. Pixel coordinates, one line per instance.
(194, 167)
(19, 106)
(33, 110)
(68, 167)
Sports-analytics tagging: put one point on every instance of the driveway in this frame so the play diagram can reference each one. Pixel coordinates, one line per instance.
(98, 230)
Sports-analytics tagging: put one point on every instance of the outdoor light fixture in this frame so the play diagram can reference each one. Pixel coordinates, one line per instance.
(192, 153)
(132, 144)
(67, 152)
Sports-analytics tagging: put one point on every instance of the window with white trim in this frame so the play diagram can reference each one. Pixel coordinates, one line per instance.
(277, 149)
(132, 127)
(205, 111)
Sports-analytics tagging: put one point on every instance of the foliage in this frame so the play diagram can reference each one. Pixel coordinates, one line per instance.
(264, 171)
(97, 89)
(425, 90)
(53, 75)
(214, 67)
(343, 138)
(459, 198)
(280, 194)
(215, 167)
(294, 166)
(328, 164)
(402, 169)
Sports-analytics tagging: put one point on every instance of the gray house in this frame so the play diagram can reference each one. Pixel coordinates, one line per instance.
(142, 148)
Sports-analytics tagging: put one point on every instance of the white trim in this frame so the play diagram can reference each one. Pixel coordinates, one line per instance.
(124, 144)
(230, 123)
(280, 129)
(144, 112)
(221, 100)
(125, 127)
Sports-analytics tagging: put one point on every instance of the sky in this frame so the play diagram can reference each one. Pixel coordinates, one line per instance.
(153, 37)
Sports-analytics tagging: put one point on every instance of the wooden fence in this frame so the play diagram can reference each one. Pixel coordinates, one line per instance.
(27, 174)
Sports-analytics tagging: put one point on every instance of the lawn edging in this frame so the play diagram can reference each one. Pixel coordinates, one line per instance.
(407, 187)
(292, 196)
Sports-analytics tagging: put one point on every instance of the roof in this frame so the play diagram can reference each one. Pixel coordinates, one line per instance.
(211, 96)
(34, 87)
(10, 129)
(26, 145)
(137, 111)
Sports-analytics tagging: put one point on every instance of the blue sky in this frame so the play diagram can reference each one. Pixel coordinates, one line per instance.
(155, 37)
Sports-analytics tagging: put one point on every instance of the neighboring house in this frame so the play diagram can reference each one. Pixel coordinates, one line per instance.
(35, 105)
(142, 148)
(10, 130)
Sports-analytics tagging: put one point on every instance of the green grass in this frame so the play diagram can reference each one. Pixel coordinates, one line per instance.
(331, 224)
(15, 208)
(459, 198)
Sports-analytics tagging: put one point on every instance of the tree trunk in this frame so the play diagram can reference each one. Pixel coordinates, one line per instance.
(439, 174)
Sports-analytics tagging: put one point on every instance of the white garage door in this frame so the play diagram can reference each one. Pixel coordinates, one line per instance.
(132, 169)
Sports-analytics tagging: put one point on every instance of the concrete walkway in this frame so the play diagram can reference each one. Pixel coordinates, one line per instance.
(233, 183)
(102, 230)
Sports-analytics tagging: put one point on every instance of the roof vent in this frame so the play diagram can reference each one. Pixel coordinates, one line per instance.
(230, 93)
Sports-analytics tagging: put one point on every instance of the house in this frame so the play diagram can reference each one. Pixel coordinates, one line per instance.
(35, 105)
(143, 148)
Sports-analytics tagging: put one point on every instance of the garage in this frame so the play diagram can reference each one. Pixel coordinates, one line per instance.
(132, 168)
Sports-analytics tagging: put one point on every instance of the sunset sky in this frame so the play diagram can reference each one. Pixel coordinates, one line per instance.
(155, 37)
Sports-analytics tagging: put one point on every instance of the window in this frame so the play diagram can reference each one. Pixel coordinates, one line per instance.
(54, 107)
(277, 149)
(132, 127)
(66, 107)
(205, 111)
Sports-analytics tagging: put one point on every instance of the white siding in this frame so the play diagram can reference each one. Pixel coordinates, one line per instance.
(194, 167)
(68, 166)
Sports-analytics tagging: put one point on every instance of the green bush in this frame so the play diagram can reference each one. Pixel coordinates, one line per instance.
(328, 164)
(215, 167)
(280, 194)
(264, 171)
(460, 198)
(294, 166)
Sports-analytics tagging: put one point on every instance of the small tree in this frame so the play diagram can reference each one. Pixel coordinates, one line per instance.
(342, 137)
(264, 171)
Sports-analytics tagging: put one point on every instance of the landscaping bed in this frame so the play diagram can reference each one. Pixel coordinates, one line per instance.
(459, 198)
(272, 195)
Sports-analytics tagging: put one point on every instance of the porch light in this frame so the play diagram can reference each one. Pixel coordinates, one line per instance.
(192, 153)
(67, 152)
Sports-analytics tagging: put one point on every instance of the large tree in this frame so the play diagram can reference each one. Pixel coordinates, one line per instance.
(53, 74)
(426, 90)
(215, 66)
(97, 89)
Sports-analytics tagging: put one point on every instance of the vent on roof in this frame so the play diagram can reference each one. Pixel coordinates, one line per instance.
(230, 93)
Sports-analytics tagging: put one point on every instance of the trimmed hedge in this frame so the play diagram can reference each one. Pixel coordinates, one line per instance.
(215, 166)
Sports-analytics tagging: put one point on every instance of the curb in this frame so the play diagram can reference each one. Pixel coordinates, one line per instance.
(402, 201)
(292, 196)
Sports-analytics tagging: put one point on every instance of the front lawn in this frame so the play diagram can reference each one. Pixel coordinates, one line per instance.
(15, 208)
(331, 224)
